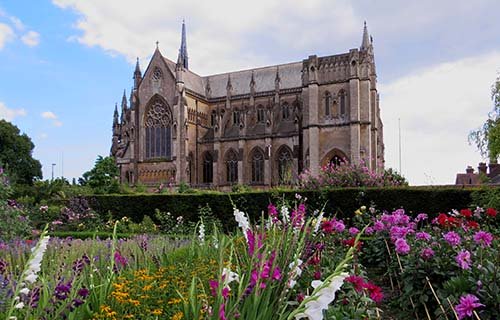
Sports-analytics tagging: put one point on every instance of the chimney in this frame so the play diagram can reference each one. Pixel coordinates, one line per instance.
(482, 167)
(469, 170)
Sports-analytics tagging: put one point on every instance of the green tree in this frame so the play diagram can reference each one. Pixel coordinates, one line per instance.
(487, 137)
(103, 177)
(16, 151)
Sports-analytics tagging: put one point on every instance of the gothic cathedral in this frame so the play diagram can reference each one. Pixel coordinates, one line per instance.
(259, 127)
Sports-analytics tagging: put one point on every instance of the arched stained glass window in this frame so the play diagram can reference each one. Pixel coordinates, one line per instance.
(257, 166)
(285, 164)
(231, 166)
(328, 100)
(208, 168)
(157, 123)
(343, 107)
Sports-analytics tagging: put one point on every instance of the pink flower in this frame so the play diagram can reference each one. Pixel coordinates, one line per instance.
(423, 236)
(222, 312)
(427, 253)
(214, 285)
(463, 259)
(483, 238)
(452, 238)
(467, 304)
(353, 231)
(357, 281)
(402, 246)
(276, 274)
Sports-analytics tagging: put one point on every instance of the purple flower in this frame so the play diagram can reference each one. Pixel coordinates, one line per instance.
(423, 236)
(452, 238)
(421, 217)
(338, 225)
(463, 259)
(120, 260)
(378, 226)
(83, 292)
(353, 231)
(402, 246)
(3, 266)
(427, 253)
(467, 304)
(483, 238)
(62, 290)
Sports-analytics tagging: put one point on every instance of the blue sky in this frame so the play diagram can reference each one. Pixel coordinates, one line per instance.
(66, 62)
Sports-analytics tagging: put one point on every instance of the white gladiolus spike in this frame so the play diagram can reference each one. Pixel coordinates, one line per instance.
(35, 263)
(229, 276)
(318, 222)
(242, 220)
(322, 298)
(201, 232)
(285, 214)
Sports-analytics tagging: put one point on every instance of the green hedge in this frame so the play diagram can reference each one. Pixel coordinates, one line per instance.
(342, 201)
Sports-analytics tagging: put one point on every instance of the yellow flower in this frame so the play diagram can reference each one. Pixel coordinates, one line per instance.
(358, 212)
(178, 316)
(157, 312)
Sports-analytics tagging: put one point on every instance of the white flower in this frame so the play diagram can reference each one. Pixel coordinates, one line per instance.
(35, 262)
(20, 305)
(322, 298)
(295, 271)
(242, 220)
(201, 232)
(229, 277)
(285, 214)
(24, 291)
(318, 222)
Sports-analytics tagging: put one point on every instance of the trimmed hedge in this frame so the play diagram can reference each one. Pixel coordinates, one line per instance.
(342, 202)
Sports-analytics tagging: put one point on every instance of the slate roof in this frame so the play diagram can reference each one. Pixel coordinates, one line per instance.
(290, 75)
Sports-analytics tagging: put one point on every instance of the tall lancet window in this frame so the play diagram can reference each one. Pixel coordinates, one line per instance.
(208, 168)
(285, 164)
(231, 166)
(158, 124)
(328, 100)
(257, 166)
(343, 107)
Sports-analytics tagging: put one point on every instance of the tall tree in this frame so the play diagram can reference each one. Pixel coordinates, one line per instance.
(103, 177)
(16, 151)
(487, 137)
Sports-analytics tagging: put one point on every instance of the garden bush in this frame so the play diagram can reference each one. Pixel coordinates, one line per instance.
(341, 201)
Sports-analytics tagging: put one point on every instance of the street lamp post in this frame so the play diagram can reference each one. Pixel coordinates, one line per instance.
(53, 171)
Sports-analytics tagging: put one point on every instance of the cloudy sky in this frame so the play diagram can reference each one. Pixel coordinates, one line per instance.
(65, 63)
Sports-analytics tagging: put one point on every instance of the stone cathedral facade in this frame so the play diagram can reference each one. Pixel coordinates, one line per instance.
(259, 127)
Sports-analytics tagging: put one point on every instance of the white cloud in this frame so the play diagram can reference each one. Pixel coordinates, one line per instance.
(221, 34)
(48, 115)
(438, 107)
(31, 38)
(52, 116)
(6, 34)
(43, 136)
(18, 24)
(10, 114)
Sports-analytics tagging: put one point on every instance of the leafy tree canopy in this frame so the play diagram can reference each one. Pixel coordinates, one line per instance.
(16, 151)
(103, 178)
(487, 138)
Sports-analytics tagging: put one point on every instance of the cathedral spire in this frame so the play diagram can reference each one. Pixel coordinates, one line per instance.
(183, 55)
(365, 44)
(124, 100)
(137, 74)
(115, 116)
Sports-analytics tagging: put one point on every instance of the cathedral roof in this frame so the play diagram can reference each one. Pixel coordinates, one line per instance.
(290, 75)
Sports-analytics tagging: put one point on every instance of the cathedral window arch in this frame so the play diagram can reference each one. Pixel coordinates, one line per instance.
(236, 117)
(261, 114)
(343, 103)
(208, 167)
(285, 108)
(231, 166)
(285, 165)
(328, 102)
(158, 124)
(213, 118)
(257, 159)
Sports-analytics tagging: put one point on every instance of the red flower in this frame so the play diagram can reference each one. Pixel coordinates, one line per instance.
(327, 226)
(350, 243)
(357, 281)
(467, 213)
(472, 224)
(375, 292)
(491, 212)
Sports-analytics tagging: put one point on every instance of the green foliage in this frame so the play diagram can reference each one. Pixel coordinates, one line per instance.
(341, 201)
(14, 218)
(103, 178)
(49, 191)
(16, 151)
(487, 138)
